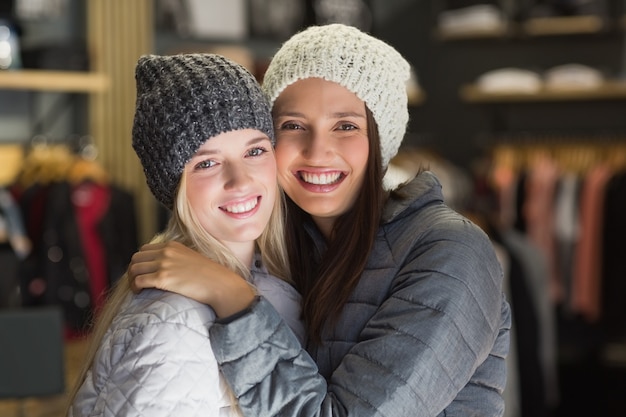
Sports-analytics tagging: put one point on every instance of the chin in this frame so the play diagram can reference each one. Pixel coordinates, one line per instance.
(249, 234)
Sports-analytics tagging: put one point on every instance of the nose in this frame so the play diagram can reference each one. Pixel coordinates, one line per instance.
(236, 176)
(318, 147)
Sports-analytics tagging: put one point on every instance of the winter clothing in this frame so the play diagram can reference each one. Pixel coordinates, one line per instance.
(366, 66)
(130, 377)
(58, 271)
(424, 333)
(183, 100)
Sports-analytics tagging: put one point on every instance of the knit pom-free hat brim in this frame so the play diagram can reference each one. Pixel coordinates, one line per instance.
(182, 101)
(368, 67)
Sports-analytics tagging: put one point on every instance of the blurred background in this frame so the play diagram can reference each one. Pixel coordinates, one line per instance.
(517, 105)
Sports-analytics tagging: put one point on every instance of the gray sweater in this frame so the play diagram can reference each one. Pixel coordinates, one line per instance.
(425, 332)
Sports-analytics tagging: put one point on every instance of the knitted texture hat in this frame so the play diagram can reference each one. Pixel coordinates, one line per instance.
(368, 67)
(183, 100)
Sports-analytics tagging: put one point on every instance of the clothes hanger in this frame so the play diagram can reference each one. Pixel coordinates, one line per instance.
(85, 166)
(45, 163)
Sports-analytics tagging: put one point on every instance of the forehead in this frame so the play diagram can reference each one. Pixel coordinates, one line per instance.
(232, 139)
(320, 94)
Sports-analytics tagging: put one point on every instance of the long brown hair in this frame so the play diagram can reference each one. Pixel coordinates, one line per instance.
(327, 283)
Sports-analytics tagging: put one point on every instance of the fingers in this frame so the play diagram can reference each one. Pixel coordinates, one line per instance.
(143, 267)
(140, 274)
(156, 265)
(144, 281)
(174, 267)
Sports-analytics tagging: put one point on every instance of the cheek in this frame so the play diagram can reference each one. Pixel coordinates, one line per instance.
(284, 154)
(267, 171)
(194, 193)
(283, 170)
(358, 153)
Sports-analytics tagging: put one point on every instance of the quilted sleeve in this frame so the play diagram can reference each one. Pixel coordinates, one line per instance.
(160, 369)
(439, 340)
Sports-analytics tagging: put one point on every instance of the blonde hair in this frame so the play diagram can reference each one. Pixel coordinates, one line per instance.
(185, 228)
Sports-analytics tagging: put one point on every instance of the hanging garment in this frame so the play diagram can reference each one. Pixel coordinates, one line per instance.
(566, 230)
(12, 230)
(472, 18)
(59, 271)
(536, 272)
(586, 294)
(613, 307)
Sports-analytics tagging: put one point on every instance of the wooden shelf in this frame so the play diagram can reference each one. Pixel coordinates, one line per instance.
(63, 81)
(611, 90)
(534, 27)
(571, 25)
(503, 31)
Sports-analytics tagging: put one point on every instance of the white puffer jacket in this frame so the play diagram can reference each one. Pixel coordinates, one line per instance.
(156, 358)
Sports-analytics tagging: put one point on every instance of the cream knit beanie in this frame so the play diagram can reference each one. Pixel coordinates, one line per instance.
(368, 67)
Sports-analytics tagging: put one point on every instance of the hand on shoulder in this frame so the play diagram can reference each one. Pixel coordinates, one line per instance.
(171, 266)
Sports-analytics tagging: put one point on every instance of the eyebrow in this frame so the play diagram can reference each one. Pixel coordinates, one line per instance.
(257, 140)
(252, 141)
(336, 115)
(348, 114)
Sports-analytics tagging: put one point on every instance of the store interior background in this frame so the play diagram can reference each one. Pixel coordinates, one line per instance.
(455, 129)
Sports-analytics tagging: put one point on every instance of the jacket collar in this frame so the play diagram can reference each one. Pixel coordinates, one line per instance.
(422, 190)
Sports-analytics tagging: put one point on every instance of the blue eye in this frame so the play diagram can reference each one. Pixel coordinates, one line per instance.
(257, 151)
(208, 163)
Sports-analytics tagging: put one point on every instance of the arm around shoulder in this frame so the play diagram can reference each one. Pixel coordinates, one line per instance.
(436, 341)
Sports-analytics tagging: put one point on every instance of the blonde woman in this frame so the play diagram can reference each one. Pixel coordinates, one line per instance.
(203, 132)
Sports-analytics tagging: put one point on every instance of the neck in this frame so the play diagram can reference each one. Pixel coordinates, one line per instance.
(325, 224)
(244, 251)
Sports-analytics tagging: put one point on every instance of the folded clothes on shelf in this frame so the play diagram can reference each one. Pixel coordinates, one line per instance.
(510, 80)
(479, 17)
(566, 77)
(573, 77)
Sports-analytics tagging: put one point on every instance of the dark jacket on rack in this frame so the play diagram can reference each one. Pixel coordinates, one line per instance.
(613, 263)
(57, 271)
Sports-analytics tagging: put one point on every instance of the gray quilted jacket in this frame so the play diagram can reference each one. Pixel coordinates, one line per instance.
(424, 334)
(156, 358)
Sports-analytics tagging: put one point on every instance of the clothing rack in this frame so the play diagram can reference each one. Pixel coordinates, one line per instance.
(81, 224)
(48, 160)
(532, 175)
(572, 153)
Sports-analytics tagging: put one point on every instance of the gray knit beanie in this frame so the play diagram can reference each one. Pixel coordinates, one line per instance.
(368, 67)
(183, 100)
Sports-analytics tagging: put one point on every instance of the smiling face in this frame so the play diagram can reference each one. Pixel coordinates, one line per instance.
(231, 187)
(321, 147)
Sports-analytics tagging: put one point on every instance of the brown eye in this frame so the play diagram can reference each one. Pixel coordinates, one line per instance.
(290, 126)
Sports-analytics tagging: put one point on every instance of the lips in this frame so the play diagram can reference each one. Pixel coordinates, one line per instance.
(242, 208)
(324, 178)
(320, 181)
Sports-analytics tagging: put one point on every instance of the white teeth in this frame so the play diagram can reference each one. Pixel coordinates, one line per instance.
(320, 179)
(241, 207)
